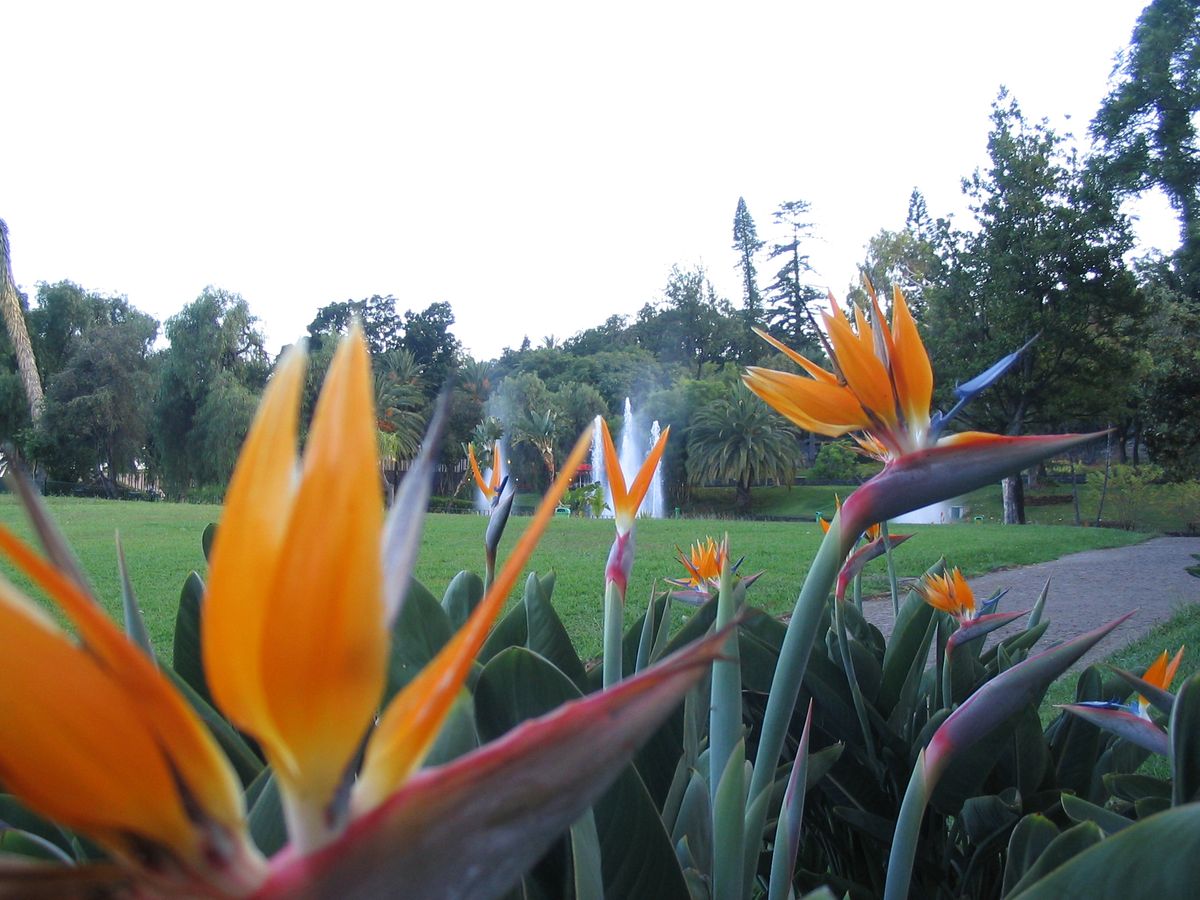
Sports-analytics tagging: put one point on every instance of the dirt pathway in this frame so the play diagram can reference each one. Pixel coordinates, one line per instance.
(1090, 588)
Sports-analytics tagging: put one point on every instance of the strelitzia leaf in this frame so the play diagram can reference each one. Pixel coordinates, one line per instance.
(186, 659)
(984, 711)
(135, 625)
(499, 807)
(1185, 742)
(1151, 858)
(1123, 724)
(403, 526)
(787, 833)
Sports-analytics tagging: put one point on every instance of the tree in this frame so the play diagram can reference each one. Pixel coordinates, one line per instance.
(909, 259)
(1147, 124)
(789, 295)
(747, 244)
(427, 337)
(691, 325)
(540, 431)
(381, 325)
(399, 401)
(739, 439)
(97, 404)
(1046, 261)
(213, 334)
(13, 312)
(1170, 380)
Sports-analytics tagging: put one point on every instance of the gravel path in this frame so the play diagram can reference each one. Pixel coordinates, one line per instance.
(1090, 588)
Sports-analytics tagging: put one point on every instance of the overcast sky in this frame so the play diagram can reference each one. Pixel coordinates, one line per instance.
(540, 166)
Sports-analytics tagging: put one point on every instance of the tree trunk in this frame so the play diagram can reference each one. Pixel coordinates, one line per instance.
(1075, 491)
(1014, 500)
(18, 334)
(1107, 471)
(742, 498)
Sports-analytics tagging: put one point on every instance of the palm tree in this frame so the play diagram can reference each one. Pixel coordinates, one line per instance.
(18, 334)
(739, 439)
(540, 432)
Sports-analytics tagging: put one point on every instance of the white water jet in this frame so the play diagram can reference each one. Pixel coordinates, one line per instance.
(597, 453)
(630, 454)
(656, 504)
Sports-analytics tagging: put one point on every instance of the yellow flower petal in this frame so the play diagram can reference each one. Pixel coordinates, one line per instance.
(410, 724)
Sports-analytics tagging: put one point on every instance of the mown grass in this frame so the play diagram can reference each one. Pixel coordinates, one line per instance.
(1148, 508)
(162, 544)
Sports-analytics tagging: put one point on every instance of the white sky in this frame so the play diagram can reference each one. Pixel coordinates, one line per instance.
(538, 165)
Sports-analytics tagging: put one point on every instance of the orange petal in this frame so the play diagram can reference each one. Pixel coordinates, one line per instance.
(479, 481)
(612, 468)
(802, 361)
(246, 550)
(75, 746)
(864, 372)
(184, 739)
(641, 484)
(410, 724)
(910, 364)
(322, 663)
(828, 409)
(495, 483)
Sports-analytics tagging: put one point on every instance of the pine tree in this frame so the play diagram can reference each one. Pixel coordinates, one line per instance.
(747, 244)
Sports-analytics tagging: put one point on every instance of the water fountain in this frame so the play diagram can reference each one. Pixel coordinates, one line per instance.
(656, 504)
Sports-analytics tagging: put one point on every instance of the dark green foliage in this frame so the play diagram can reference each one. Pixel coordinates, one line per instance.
(1147, 123)
(95, 420)
(835, 461)
(791, 299)
(211, 377)
(380, 323)
(748, 245)
(738, 439)
(1046, 260)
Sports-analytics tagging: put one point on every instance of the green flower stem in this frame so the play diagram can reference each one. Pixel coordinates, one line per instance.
(789, 673)
(856, 591)
(489, 570)
(908, 832)
(724, 735)
(893, 581)
(860, 708)
(614, 614)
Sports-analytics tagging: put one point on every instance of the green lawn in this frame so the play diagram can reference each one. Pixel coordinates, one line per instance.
(162, 544)
(1151, 508)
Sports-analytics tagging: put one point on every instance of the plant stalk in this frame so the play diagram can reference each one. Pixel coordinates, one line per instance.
(614, 614)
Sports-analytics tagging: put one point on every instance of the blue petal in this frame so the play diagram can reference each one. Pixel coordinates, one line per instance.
(989, 605)
(966, 391)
